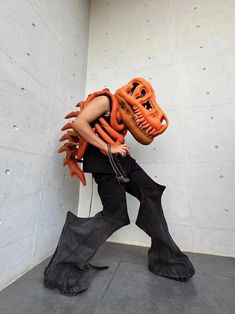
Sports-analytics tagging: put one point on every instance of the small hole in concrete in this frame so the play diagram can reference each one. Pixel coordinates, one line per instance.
(204, 69)
(201, 47)
(75, 54)
(28, 54)
(23, 89)
(106, 33)
(7, 171)
(208, 92)
(150, 78)
(154, 148)
(148, 39)
(105, 50)
(73, 74)
(226, 210)
(216, 146)
(146, 4)
(198, 26)
(147, 21)
(33, 25)
(221, 176)
(15, 127)
(211, 118)
(149, 57)
(195, 8)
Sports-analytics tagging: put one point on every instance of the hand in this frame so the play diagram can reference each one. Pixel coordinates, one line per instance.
(122, 149)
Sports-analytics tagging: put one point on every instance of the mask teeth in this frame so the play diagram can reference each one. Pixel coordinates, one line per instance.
(136, 109)
(151, 132)
(142, 119)
(149, 129)
(145, 124)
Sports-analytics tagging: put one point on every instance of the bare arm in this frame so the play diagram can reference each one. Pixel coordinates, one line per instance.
(96, 107)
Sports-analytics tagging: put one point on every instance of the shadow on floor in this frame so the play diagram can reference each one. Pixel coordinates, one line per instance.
(129, 287)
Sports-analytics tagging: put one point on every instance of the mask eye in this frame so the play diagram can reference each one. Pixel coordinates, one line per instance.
(142, 93)
(147, 105)
(133, 88)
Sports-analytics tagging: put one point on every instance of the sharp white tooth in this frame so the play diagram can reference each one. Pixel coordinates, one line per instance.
(150, 109)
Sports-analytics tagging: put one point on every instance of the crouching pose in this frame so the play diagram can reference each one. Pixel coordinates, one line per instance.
(97, 138)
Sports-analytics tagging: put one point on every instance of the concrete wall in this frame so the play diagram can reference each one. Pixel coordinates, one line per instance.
(186, 49)
(43, 55)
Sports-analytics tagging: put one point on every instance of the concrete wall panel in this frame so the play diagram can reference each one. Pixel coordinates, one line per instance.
(186, 50)
(43, 53)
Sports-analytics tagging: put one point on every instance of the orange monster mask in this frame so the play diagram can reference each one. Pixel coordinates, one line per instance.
(139, 110)
(134, 108)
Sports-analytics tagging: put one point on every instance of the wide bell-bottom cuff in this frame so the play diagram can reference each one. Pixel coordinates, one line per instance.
(69, 269)
(164, 256)
(167, 260)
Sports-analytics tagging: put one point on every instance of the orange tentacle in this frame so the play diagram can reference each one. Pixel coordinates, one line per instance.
(104, 135)
(111, 131)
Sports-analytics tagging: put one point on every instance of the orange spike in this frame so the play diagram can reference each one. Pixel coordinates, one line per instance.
(67, 126)
(76, 170)
(64, 137)
(82, 148)
(61, 149)
(72, 114)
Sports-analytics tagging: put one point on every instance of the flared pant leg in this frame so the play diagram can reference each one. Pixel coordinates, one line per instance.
(68, 269)
(164, 256)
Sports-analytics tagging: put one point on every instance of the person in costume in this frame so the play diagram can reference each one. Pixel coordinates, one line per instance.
(96, 137)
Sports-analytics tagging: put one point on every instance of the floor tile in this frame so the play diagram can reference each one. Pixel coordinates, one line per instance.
(135, 289)
(128, 287)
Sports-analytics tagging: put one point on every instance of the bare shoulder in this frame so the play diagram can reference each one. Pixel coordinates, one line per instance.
(94, 109)
(104, 100)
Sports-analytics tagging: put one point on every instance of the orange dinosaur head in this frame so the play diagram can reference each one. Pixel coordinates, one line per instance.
(139, 110)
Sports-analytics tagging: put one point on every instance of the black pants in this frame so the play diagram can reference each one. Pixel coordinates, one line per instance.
(69, 268)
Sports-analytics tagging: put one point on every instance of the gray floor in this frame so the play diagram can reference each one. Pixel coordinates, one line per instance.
(129, 287)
